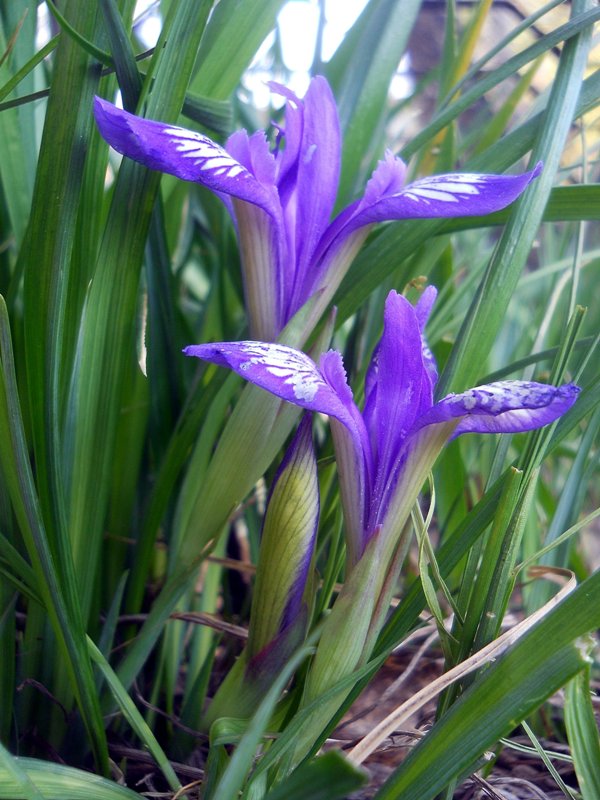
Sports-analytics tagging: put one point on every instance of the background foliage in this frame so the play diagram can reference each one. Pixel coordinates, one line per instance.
(110, 497)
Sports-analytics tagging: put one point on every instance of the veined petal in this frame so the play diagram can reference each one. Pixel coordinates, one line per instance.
(451, 195)
(186, 154)
(387, 179)
(283, 371)
(353, 457)
(399, 389)
(398, 386)
(253, 153)
(318, 170)
(423, 310)
(503, 407)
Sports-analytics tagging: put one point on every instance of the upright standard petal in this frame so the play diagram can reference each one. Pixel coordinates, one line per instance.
(318, 170)
(399, 390)
(186, 154)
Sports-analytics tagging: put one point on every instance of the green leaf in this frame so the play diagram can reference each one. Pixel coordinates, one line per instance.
(582, 20)
(64, 615)
(542, 661)
(390, 248)
(11, 771)
(326, 778)
(106, 338)
(565, 204)
(235, 31)
(369, 57)
(241, 761)
(55, 782)
(134, 718)
(582, 733)
(17, 184)
(486, 314)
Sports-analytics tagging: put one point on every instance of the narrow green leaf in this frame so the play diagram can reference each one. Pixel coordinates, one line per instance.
(582, 732)
(107, 333)
(539, 749)
(486, 314)
(27, 68)
(16, 184)
(326, 778)
(391, 247)
(241, 761)
(82, 41)
(66, 621)
(130, 81)
(133, 717)
(544, 659)
(236, 30)
(489, 578)
(581, 21)
(57, 782)
(370, 57)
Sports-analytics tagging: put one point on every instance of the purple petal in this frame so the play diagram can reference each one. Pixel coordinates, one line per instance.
(352, 455)
(186, 154)
(424, 306)
(452, 195)
(399, 387)
(291, 135)
(503, 407)
(253, 153)
(318, 169)
(387, 179)
(281, 370)
(423, 310)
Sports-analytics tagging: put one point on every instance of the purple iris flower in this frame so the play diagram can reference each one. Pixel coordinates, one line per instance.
(386, 452)
(282, 200)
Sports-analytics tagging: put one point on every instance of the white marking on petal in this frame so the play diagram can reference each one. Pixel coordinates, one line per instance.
(208, 155)
(310, 153)
(294, 368)
(433, 194)
(458, 188)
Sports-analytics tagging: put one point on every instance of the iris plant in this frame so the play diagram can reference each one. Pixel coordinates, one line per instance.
(384, 453)
(282, 199)
(401, 428)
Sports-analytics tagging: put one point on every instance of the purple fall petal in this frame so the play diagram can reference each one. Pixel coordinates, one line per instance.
(281, 370)
(503, 407)
(186, 154)
(451, 195)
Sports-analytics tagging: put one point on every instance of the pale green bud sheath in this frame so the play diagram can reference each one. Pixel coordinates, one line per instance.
(287, 544)
(279, 611)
